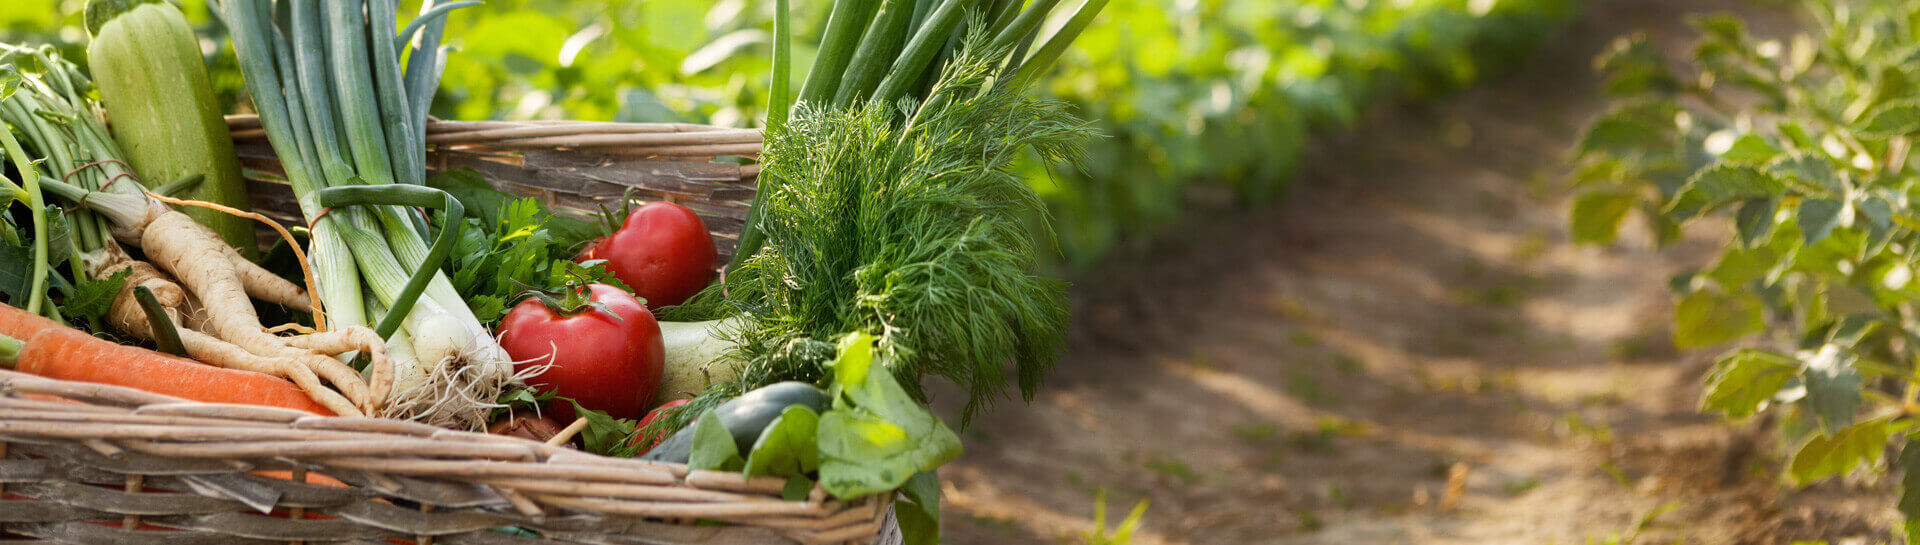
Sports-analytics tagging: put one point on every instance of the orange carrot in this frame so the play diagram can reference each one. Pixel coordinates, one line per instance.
(67, 354)
(21, 324)
(312, 478)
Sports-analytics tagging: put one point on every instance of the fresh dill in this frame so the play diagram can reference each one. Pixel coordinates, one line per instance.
(907, 222)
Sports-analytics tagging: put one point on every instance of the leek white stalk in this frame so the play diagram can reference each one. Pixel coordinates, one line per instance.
(338, 110)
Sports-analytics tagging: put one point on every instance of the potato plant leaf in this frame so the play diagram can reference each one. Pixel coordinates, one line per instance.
(1833, 388)
(1754, 220)
(1710, 317)
(1597, 216)
(1897, 118)
(1751, 148)
(1815, 171)
(1722, 184)
(1817, 218)
(1825, 456)
(1745, 379)
(1909, 462)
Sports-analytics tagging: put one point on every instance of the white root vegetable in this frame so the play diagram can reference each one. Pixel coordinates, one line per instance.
(697, 357)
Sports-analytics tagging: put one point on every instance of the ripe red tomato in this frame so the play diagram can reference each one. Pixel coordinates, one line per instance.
(607, 360)
(646, 441)
(663, 252)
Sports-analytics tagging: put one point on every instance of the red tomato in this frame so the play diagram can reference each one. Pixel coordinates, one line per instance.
(607, 360)
(663, 252)
(645, 441)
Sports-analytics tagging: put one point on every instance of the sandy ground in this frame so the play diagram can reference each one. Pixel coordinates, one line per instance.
(1407, 350)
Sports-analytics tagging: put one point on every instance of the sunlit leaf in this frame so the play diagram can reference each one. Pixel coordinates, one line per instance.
(1707, 318)
(1823, 456)
(1597, 216)
(1754, 220)
(1897, 118)
(1723, 184)
(1833, 387)
(1817, 218)
(1909, 465)
(1745, 379)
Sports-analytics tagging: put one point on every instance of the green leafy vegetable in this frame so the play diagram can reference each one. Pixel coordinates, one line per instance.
(604, 434)
(876, 437)
(917, 232)
(919, 509)
(789, 446)
(92, 298)
(523, 247)
(713, 446)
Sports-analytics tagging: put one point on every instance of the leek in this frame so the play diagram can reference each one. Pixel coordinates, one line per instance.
(342, 97)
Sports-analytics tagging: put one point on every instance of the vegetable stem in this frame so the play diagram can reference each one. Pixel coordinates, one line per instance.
(844, 25)
(164, 333)
(10, 350)
(36, 280)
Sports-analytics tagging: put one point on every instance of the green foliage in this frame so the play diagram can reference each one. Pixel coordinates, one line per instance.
(1745, 379)
(788, 446)
(1824, 456)
(1805, 144)
(916, 232)
(605, 434)
(1229, 92)
(713, 446)
(93, 297)
(1707, 318)
(1220, 92)
(876, 437)
(520, 246)
(1118, 535)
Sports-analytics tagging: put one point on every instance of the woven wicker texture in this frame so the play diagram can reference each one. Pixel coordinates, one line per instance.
(577, 166)
(90, 463)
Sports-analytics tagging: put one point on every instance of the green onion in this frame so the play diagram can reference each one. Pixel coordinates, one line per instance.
(348, 122)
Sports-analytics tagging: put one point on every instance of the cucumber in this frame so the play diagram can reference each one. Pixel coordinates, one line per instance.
(745, 417)
(160, 107)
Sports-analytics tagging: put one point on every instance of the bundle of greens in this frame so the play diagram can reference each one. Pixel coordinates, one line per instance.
(43, 98)
(915, 231)
(341, 113)
(884, 51)
(898, 239)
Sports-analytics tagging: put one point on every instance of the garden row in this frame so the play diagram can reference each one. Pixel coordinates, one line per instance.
(1224, 92)
(1805, 143)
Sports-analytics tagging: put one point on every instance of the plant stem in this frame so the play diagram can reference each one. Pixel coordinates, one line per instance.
(37, 280)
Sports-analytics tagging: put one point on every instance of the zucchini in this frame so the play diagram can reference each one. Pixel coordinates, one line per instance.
(160, 107)
(745, 417)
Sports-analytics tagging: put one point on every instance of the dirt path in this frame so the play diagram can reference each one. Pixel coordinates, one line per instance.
(1409, 350)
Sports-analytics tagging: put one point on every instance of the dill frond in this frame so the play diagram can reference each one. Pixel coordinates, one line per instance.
(907, 221)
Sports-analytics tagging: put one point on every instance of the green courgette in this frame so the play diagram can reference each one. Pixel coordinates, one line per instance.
(745, 418)
(161, 110)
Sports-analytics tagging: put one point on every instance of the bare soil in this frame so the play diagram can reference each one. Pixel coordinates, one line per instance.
(1408, 349)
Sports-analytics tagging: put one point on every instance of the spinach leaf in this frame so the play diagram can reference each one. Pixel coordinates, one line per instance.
(788, 446)
(876, 437)
(713, 446)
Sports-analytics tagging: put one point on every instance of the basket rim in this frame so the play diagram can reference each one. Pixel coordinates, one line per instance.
(119, 421)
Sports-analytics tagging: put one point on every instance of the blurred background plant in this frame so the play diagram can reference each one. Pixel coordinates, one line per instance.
(1221, 93)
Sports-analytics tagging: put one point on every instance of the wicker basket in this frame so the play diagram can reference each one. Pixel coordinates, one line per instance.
(89, 463)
